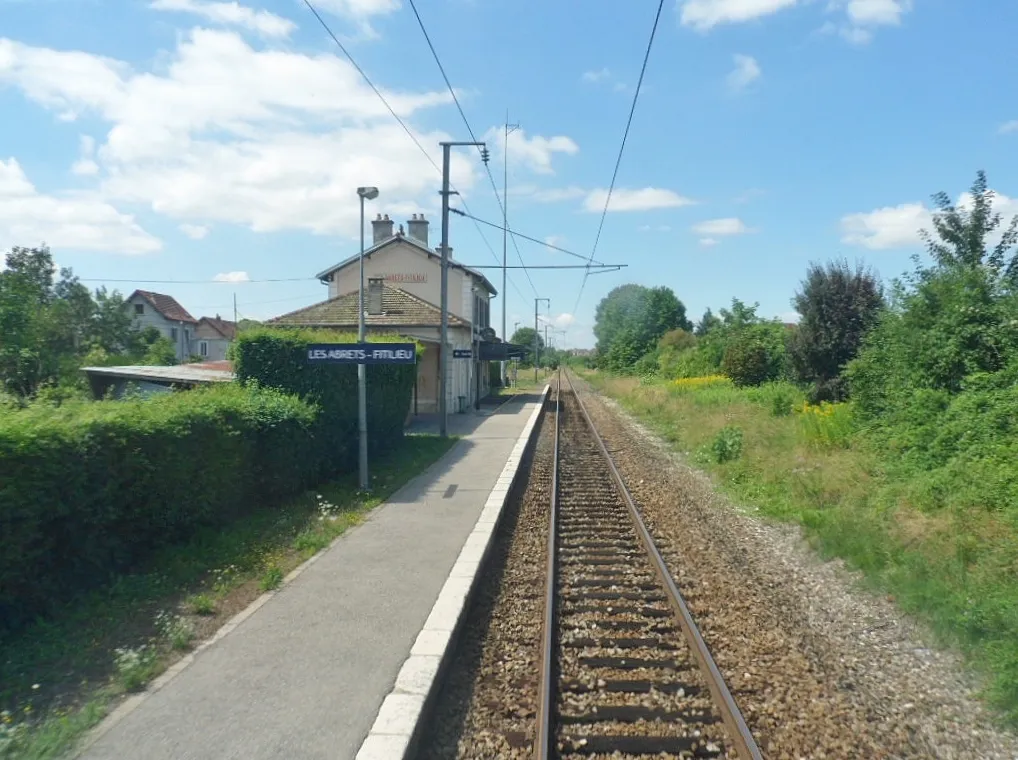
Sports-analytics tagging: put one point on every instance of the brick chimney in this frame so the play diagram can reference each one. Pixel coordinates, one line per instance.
(417, 227)
(382, 228)
(375, 286)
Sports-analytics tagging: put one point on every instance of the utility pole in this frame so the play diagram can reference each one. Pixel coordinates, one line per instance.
(364, 193)
(443, 349)
(509, 128)
(537, 335)
(235, 311)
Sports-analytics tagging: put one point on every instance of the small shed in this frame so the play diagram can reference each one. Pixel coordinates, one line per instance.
(155, 379)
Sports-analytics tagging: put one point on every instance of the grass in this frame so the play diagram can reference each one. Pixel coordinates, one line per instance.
(60, 677)
(954, 568)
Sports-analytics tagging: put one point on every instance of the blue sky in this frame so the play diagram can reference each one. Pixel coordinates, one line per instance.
(195, 139)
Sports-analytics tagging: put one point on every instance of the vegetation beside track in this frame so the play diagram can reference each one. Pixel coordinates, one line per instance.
(61, 676)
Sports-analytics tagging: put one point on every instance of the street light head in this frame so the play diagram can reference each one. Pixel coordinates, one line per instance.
(368, 193)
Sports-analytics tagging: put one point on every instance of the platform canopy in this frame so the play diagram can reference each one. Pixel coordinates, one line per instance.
(496, 352)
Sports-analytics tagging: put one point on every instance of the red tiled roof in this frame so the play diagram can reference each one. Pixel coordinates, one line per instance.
(224, 365)
(165, 305)
(224, 327)
(399, 309)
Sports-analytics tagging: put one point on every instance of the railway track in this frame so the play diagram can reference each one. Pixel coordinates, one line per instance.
(624, 672)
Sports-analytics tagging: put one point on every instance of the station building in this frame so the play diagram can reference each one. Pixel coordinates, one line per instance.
(402, 284)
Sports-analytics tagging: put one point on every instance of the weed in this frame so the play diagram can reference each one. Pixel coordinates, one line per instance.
(201, 604)
(689, 384)
(826, 425)
(135, 666)
(271, 579)
(177, 630)
(727, 445)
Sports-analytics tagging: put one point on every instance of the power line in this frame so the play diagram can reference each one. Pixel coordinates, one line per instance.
(622, 147)
(514, 233)
(473, 137)
(196, 282)
(406, 129)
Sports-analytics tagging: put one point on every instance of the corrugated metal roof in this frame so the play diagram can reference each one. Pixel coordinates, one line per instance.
(399, 309)
(180, 373)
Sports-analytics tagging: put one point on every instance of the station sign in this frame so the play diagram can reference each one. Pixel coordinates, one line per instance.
(362, 353)
(462, 353)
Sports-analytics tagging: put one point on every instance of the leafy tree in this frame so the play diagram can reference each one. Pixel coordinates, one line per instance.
(635, 317)
(838, 307)
(949, 320)
(707, 322)
(160, 352)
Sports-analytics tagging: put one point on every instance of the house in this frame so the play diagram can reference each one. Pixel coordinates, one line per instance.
(402, 277)
(212, 337)
(205, 337)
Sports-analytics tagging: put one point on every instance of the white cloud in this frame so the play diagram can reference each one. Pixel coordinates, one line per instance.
(898, 226)
(706, 14)
(653, 228)
(596, 76)
(746, 71)
(232, 277)
(361, 11)
(707, 242)
(73, 221)
(222, 132)
(86, 166)
(644, 199)
(563, 320)
(721, 227)
(888, 227)
(536, 153)
(863, 16)
(1009, 126)
(606, 78)
(557, 240)
(555, 194)
(194, 231)
(231, 13)
(876, 12)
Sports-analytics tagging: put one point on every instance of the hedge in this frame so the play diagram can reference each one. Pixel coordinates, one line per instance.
(277, 358)
(88, 489)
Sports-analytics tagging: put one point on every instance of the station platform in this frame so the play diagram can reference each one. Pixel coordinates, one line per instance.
(302, 674)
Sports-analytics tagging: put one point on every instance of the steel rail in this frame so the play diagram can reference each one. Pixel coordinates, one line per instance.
(542, 748)
(738, 730)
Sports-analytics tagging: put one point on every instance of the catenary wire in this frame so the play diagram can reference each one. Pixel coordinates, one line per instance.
(470, 130)
(622, 147)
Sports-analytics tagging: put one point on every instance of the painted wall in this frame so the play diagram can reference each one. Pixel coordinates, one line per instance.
(152, 318)
(410, 266)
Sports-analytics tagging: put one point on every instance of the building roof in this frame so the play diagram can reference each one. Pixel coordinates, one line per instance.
(323, 275)
(224, 327)
(399, 309)
(189, 374)
(165, 305)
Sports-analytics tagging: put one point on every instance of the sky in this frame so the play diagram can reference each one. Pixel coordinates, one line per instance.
(212, 149)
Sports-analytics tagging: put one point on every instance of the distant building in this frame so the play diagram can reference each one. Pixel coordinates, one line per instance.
(402, 283)
(116, 381)
(212, 337)
(208, 337)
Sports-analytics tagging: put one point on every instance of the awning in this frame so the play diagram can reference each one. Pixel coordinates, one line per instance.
(496, 352)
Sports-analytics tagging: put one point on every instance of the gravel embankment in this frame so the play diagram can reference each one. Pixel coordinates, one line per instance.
(488, 704)
(820, 668)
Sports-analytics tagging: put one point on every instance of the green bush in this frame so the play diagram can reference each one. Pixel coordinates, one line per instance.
(727, 445)
(277, 358)
(89, 489)
(755, 354)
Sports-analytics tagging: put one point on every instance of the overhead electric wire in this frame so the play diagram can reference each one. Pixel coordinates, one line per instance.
(406, 129)
(622, 147)
(196, 282)
(470, 130)
(514, 233)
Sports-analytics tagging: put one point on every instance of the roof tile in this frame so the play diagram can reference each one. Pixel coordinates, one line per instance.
(399, 309)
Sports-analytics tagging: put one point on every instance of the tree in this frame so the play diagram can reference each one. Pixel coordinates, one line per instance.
(634, 317)
(838, 307)
(707, 322)
(949, 320)
(524, 336)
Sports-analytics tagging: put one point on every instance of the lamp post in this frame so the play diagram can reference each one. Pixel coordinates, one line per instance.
(365, 193)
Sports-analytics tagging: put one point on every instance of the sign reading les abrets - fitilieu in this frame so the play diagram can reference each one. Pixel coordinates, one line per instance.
(362, 353)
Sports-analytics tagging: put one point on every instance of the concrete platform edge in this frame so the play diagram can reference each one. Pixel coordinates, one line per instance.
(402, 715)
